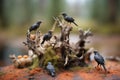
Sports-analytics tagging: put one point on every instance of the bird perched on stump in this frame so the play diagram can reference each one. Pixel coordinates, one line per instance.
(51, 69)
(68, 18)
(47, 36)
(35, 26)
(99, 59)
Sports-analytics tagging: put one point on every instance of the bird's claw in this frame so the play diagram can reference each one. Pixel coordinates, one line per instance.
(98, 68)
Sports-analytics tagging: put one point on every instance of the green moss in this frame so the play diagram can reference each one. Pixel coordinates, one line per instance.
(88, 69)
(35, 63)
(75, 68)
(50, 56)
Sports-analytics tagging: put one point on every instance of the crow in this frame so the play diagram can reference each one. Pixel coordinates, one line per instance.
(99, 59)
(50, 68)
(35, 26)
(47, 36)
(68, 18)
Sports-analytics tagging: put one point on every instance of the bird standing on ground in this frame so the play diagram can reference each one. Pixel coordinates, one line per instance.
(68, 18)
(99, 59)
(51, 69)
(35, 26)
(47, 36)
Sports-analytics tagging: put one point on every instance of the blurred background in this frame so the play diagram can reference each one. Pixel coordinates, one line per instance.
(102, 16)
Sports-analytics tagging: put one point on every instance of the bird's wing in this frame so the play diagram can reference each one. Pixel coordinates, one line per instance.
(33, 26)
(99, 58)
(50, 67)
(69, 18)
(45, 37)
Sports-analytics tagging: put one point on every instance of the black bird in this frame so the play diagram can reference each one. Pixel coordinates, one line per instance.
(47, 36)
(99, 59)
(35, 26)
(51, 69)
(68, 18)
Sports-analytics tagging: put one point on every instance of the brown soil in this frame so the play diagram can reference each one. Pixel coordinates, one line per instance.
(86, 73)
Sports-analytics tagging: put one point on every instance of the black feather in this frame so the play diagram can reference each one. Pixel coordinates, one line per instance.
(51, 69)
(99, 59)
(35, 26)
(47, 37)
(69, 19)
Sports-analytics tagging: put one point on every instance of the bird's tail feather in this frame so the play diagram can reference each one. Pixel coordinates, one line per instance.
(43, 42)
(75, 23)
(104, 67)
(52, 74)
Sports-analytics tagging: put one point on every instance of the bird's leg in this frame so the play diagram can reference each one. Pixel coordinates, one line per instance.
(105, 69)
(36, 32)
(97, 67)
(100, 68)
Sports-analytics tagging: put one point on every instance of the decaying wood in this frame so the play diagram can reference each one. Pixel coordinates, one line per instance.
(64, 39)
(65, 29)
(83, 35)
(88, 54)
(34, 45)
(69, 53)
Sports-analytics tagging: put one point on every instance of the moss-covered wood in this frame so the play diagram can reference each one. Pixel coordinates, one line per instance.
(57, 49)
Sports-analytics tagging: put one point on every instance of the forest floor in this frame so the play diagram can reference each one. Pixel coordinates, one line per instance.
(81, 73)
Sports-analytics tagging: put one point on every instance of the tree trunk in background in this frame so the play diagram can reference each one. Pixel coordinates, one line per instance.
(105, 11)
(113, 8)
(3, 20)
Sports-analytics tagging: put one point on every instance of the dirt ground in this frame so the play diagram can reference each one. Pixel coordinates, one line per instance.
(85, 73)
